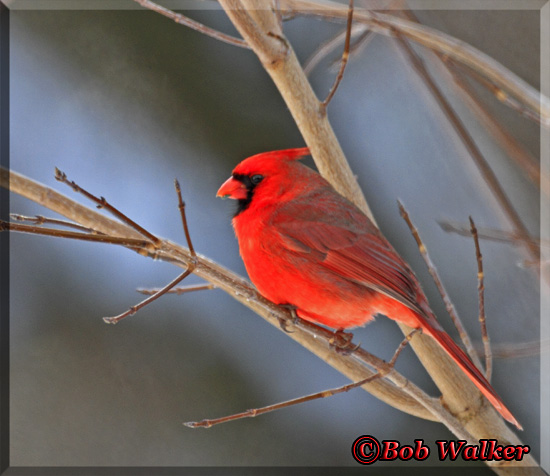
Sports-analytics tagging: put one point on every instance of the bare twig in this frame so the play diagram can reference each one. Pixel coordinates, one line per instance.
(515, 350)
(500, 94)
(387, 24)
(343, 61)
(502, 78)
(254, 412)
(330, 45)
(190, 267)
(152, 240)
(278, 58)
(40, 220)
(363, 39)
(440, 287)
(489, 233)
(481, 293)
(400, 393)
(180, 289)
(132, 310)
(194, 25)
(102, 203)
(73, 235)
(181, 206)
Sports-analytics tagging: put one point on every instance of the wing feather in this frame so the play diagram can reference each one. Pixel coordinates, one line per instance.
(349, 243)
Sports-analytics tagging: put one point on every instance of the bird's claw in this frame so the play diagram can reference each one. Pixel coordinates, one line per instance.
(285, 323)
(288, 322)
(342, 342)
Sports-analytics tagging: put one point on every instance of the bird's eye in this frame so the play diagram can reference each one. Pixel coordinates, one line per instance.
(256, 179)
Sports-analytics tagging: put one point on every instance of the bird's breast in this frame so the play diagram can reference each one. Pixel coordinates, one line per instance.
(285, 276)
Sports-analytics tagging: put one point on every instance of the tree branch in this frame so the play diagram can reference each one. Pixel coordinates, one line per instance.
(314, 339)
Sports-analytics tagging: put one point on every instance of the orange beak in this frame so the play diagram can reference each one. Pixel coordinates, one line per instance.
(232, 188)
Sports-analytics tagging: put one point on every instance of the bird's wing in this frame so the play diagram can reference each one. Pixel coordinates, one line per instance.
(341, 238)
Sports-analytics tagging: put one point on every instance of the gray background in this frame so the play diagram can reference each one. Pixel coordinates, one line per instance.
(123, 102)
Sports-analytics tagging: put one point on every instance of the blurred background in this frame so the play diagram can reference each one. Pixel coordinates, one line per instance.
(124, 101)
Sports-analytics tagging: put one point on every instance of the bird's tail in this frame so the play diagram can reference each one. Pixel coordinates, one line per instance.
(462, 360)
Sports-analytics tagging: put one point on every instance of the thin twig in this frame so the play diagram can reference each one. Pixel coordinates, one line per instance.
(491, 234)
(343, 61)
(133, 309)
(180, 289)
(358, 45)
(254, 412)
(190, 267)
(73, 235)
(516, 350)
(440, 287)
(40, 220)
(387, 24)
(102, 203)
(330, 45)
(365, 36)
(499, 93)
(285, 69)
(193, 24)
(181, 206)
(481, 293)
(513, 148)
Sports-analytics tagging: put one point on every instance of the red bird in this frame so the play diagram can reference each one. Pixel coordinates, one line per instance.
(305, 245)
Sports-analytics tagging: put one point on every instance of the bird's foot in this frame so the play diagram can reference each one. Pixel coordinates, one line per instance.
(287, 323)
(342, 342)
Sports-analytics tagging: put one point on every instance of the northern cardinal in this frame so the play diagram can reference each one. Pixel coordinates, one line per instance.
(305, 245)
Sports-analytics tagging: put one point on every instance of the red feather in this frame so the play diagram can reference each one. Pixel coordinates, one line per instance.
(304, 244)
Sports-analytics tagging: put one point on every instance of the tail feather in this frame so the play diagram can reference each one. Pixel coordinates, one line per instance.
(462, 360)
